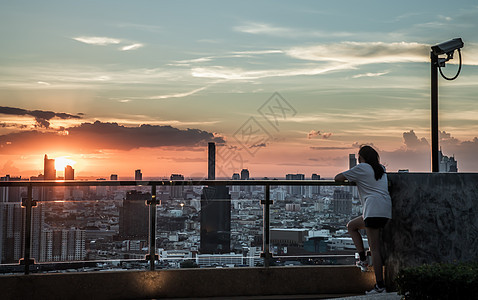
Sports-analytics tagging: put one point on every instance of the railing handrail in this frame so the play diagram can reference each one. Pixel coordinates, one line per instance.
(158, 183)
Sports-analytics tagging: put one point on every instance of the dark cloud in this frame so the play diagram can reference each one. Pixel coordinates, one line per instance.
(446, 138)
(12, 125)
(317, 133)
(89, 137)
(412, 142)
(261, 145)
(42, 117)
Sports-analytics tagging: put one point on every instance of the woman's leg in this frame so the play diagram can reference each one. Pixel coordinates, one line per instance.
(353, 227)
(373, 235)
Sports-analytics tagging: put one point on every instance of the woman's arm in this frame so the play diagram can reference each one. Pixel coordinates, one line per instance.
(340, 177)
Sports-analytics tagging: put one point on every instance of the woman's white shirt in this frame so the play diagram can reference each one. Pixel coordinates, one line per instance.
(373, 193)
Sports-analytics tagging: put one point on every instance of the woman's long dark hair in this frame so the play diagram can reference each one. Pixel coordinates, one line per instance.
(371, 157)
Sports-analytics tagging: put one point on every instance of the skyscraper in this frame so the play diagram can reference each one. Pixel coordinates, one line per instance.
(447, 164)
(49, 168)
(69, 173)
(133, 221)
(215, 220)
(244, 174)
(352, 161)
(295, 189)
(215, 214)
(138, 175)
(49, 173)
(177, 191)
(342, 202)
(315, 189)
(211, 161)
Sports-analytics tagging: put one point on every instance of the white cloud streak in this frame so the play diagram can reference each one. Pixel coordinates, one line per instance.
(268, 29)
(359, 53)
(370, 75)
(241, 74)
(96, 40)
(179, 95)
(106, 41)
(131, 47)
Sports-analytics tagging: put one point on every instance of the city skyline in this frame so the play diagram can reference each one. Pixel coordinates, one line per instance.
(149, 84)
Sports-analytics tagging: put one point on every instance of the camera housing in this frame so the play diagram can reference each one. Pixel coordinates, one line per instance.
(448, 47)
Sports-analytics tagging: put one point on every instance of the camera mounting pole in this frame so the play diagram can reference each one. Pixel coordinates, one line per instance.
(437, 63)
(434, 109)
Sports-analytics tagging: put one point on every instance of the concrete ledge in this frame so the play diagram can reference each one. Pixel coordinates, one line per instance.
(192, 283)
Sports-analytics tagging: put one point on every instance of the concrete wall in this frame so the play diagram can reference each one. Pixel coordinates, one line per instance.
(435, 219)
(194, 283)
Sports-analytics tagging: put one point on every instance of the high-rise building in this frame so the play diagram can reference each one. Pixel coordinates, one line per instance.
(134, 221)
(236, 188)
(69, 173)
(244, 174)
(63, 245)
(49, 171)
(447, 164)
(211, 161)
(315, 189)
(12, 231)
(296, 190)
(177, 191)
(138, 175)
(215, 216)
(352, 161)
(215, 220)
(10, 194)
(342, 202)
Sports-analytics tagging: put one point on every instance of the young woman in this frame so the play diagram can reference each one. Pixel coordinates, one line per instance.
(371, 180)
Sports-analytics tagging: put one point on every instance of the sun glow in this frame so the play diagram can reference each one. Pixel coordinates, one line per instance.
(63, 161)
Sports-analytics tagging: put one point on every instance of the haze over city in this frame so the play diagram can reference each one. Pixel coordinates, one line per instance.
(280, 86)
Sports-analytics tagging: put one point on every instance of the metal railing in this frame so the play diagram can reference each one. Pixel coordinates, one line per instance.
(28, 203)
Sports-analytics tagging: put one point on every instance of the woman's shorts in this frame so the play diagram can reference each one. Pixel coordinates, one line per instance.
(375, 222)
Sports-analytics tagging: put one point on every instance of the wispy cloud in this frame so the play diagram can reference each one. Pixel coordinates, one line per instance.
(268, 29)
(241, 74)
(97, 40)
(179, 95)
(132, 47)
(106, 41)
(370, 75)
(359, 53)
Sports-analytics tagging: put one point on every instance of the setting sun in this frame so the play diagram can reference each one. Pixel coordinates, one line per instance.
(63, 161)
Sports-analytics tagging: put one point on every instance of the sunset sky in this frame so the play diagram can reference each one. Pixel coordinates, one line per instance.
(280, 86)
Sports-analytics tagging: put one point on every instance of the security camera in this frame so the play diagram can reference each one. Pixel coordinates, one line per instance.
(447, 47)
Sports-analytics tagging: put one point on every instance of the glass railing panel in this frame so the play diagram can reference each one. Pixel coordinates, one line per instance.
(90, 228)
(308, 224)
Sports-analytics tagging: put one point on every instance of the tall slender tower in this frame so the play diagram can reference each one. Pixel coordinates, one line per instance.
(211, 162)
(215, 213)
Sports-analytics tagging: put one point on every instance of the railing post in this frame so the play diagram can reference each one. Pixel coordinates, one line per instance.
(152, 256)
(266, 227)
(28, 203)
